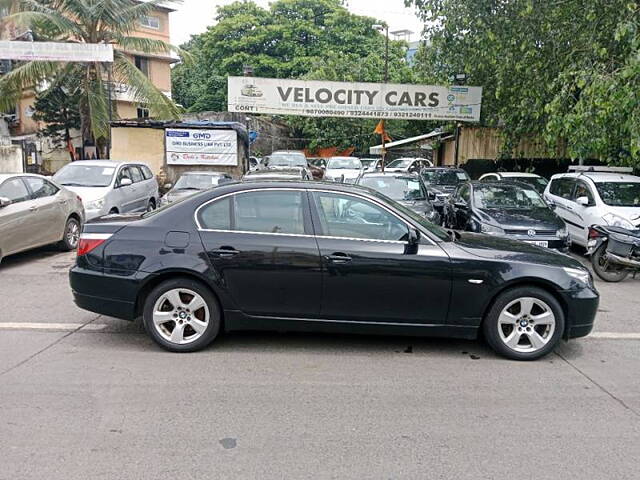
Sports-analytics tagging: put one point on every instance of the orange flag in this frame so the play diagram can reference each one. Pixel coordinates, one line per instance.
(381, 131)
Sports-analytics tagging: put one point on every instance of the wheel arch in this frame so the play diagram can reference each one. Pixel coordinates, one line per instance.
(542, 284)
(163, 276)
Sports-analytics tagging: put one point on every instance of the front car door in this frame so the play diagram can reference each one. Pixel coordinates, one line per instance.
(16, 231)
(370, 271)
(560, 193)
(582, 214)
(124, 195)
(49, 217)
(261, 245)
(461, 207)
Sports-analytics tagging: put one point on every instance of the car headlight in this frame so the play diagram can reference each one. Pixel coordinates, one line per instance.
(96, 204)
(490, 229)
(562, 232)
(617, 221)
(582, 275)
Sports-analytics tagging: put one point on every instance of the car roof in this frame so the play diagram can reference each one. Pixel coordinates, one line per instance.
(389, 174)
(516, 174)
(452, 169)
(600, 176)
(343, 157)
(6, 176)
(105, 163)
(203, 172)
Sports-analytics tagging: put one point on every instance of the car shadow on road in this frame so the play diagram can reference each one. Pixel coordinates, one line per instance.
(35, 255)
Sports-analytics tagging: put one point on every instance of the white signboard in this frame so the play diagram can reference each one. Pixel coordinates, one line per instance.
(56, 51)
(350, 99)
(201, 147)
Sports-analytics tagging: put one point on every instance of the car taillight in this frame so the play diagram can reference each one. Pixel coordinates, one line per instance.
(593, 233)
(90, 241)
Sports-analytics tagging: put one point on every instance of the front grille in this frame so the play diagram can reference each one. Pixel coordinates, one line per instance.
(524, 232)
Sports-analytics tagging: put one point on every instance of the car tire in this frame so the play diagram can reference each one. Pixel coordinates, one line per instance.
(113, 211)
(71, 235)
(524, 323)
(166, 308)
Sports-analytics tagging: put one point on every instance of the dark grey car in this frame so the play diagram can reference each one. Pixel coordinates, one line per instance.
(407, 189)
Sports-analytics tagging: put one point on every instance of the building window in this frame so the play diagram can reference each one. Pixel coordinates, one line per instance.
(143, 64)
(143, 112)
(149, 21)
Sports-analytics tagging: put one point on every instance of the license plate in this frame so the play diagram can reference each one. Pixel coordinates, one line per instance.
(539, 243)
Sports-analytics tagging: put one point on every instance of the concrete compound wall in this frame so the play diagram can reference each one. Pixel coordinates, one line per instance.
(10, 159)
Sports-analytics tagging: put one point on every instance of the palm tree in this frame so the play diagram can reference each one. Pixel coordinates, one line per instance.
(89, 21)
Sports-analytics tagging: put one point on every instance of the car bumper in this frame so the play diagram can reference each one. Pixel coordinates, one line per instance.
(554, 243)
(582, 307)
(89, 288)
(91, 214)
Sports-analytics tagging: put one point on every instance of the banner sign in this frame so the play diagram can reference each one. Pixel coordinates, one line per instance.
(201, 147)
(350, 99)
(56, 51)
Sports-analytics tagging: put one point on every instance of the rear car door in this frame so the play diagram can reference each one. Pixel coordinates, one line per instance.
(16, 231)
(124, 195)
(260, 243)
(49, 217)
(140, 188)
(370, 272)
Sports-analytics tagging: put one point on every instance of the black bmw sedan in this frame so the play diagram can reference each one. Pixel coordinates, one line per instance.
(506, 209)
(324, 257)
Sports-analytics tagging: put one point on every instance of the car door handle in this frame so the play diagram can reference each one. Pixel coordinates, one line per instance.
(568, 207)
(62, 202)
(338, 257)
(225, 251)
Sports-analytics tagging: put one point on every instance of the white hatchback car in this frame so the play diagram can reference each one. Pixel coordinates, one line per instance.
(595, 197)
(107, 187)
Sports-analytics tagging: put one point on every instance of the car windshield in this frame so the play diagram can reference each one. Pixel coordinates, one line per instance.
(619, 194)
(195, 181)
(366, 163)
(286, 160)
(346, 163)
(77, 175)
(507, 197)
(400, 163)
(444, 177)
(397, 188)
(538, 183)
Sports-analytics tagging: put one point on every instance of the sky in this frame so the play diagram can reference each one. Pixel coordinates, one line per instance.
(194, 16)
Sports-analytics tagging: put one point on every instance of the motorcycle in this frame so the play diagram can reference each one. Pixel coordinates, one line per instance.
(615, 252)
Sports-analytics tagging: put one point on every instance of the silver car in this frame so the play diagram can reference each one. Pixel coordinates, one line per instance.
(108, 187)
(193, 182)
(35, 211)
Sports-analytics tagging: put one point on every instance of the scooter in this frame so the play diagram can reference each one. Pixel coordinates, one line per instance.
(615, 252)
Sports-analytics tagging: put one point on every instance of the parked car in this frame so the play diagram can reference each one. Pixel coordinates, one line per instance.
(35, 211)
(503, 209)
(370, 164)
(536, 181)
(408, 165)
(285, 160)
(441, 183)
(276, 174)
(408, 190)
(108, 187)
(193, 182)
(595, 197)
(343, 169)
(254, 163)
(325, 257)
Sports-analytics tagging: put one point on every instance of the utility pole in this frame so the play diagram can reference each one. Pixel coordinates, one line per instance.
(458, 79)
(380, 28)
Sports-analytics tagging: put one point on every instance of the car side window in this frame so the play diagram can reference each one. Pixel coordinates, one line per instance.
(464, 193)
(40, 187)
(562, 187)
(136, 174)
(146, 173)
(352, 217)
(122, 174)
(583, 190)
(269, 212)
(216, 215)
(15, 190)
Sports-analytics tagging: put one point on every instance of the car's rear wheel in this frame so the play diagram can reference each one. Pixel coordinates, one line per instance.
(524, 323)
(71, 235)
(605, 270)
(182, 315)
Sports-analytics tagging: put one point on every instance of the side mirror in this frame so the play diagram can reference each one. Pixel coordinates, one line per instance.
(168, 186)
(4, 202)
(584, 201)
(431, 196)
(413, 237)
(125, 182)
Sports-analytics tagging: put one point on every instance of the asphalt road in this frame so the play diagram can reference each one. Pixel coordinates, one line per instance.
(85, 396)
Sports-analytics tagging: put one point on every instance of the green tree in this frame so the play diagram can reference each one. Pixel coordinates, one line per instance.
(563, 70)
(311, 39)
(88, 21)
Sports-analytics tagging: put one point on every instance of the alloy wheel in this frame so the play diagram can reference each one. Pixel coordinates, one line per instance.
(526, 324)
(73, 233)
(180, 316)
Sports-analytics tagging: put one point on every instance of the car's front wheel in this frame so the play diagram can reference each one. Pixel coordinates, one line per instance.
(71, 235)
(182, 315)
(524, 323)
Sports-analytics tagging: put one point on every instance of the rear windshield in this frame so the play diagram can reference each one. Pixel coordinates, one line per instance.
(344, 163)
(397, 188)
(196, 182)
(77, 175)
(285, 160)
(619, 194)
(444, 177)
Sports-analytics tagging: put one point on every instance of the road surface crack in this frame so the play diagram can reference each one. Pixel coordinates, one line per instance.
(601, 387)
(44, 349)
